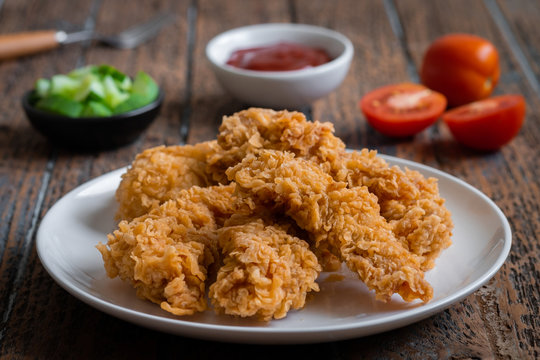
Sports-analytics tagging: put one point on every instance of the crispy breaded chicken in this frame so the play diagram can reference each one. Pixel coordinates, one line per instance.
(255, 129)
(266, 271)
(410, 202)
(249, 131)
(289, 180)
(165, 254)
(159, 174)
(346, 220)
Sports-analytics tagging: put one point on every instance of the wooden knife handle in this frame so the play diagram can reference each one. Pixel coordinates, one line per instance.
(27, 43)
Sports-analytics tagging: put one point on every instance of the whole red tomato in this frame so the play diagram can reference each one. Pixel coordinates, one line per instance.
(462, 67)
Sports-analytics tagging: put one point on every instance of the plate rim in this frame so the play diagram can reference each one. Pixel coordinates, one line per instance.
(259, 334)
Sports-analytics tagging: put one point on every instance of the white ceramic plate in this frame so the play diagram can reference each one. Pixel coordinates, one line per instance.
(342, 309)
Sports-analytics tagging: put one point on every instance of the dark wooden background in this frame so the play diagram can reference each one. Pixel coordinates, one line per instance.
(41, 320)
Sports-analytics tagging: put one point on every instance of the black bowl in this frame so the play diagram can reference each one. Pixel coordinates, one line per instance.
(91, 133)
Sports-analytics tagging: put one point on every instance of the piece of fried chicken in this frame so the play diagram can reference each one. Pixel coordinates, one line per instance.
(410, 203)
(345, 220)
(266, 271)
(165, 254)
(159, 174)
(255, 129)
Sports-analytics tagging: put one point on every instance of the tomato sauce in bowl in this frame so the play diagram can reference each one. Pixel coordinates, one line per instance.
(292, 83)
(278, 57)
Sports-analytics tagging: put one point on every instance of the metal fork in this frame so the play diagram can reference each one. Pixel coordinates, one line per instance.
(15, 45)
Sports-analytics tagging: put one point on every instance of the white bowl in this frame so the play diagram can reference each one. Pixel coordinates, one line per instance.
(280, 89)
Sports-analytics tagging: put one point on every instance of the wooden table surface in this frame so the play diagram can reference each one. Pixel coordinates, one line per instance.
(41, 320)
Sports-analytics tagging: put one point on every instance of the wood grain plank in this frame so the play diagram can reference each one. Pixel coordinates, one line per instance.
(518, 22)
(509, 177)
(25, 155)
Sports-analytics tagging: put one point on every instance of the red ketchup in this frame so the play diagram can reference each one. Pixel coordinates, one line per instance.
(279, 57)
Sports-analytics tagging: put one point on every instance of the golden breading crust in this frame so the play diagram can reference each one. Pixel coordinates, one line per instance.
(159, 174)
(165, 254)
(265, 273)
(347, 220)
(410, 202)
(254, 129)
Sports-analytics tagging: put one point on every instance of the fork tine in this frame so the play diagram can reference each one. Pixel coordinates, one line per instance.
(140, 33)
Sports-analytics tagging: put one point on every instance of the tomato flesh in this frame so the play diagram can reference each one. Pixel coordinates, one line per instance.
(487, 124)
(463, 67)
(403, 109)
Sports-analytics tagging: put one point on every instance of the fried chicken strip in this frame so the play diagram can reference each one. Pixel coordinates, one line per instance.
(159, 174)
(265, 273)
(255, 129)
(347, 220)
(165, 254)
(410, 202)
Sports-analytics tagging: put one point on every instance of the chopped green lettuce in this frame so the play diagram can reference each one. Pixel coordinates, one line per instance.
(94, 108)
(65, 86)
(134, 101)
(95, 90)
(42, 87)
(145, 86)
(113, 95)
(58, 104)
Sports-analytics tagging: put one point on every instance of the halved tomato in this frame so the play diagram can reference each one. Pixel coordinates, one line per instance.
(403, 109)
(487, 124)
